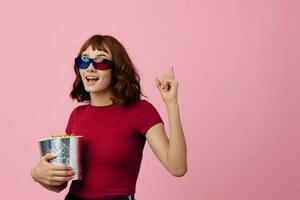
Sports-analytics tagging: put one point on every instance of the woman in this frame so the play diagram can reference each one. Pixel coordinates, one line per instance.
(115, 124)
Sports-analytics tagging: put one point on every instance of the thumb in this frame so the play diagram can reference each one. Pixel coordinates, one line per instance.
(49, 156)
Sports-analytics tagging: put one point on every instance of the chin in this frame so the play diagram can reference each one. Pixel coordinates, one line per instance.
(95, 90)
(92, 90)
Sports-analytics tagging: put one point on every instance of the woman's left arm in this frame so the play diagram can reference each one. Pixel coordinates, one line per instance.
(171, 152)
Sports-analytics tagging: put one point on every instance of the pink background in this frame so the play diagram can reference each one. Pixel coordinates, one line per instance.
(237, 63)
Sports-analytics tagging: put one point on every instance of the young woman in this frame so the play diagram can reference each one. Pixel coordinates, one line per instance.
(115, 124)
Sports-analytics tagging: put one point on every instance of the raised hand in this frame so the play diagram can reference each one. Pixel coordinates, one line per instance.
(168, 87)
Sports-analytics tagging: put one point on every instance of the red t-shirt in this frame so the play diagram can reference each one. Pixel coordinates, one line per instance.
(113, 143)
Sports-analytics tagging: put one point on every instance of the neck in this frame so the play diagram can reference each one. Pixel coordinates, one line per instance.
(101, 98)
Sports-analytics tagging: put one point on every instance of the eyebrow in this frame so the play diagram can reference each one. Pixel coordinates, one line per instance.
(96, 55)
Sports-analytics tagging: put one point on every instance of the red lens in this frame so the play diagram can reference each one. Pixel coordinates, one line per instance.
(105, 64)
(101, 66)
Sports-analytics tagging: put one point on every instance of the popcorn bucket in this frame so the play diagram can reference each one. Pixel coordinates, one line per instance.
(67, 148)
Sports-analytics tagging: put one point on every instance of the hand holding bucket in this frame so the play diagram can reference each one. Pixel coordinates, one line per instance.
(67, 148)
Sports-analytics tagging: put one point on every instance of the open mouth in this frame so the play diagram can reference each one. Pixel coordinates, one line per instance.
(92, 78)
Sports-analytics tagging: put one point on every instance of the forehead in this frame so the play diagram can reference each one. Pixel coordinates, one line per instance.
(91, 51)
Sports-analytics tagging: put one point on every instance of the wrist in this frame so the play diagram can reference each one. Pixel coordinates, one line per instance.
(172, 104)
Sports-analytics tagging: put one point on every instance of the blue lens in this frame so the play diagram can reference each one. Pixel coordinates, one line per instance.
(85, 59)
(82, 62)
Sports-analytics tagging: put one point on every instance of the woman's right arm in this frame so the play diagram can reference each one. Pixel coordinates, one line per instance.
(52, 177)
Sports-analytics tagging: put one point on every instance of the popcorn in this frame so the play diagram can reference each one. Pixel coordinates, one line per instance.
(63, 135)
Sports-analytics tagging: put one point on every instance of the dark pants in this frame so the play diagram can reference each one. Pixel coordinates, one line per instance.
(72, 197)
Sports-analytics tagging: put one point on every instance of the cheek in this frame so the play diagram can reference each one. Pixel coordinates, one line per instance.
(81, 74)
(106, 77)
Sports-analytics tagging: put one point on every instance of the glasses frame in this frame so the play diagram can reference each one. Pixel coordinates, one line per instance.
(105, 64)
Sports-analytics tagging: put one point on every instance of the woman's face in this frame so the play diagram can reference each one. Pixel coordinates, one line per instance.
(102, 78)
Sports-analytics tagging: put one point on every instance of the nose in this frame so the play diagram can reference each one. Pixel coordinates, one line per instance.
(91, 67)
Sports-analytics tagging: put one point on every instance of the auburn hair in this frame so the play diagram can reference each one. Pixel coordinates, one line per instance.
(125, 80)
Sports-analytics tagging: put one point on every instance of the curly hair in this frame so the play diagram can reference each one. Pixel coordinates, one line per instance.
(125, 81)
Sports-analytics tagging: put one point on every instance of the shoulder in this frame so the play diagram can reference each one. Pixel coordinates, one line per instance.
(79, 109)
(144, 103)
(141, 105)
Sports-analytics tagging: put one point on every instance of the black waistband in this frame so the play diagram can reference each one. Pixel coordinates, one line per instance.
(125, 197)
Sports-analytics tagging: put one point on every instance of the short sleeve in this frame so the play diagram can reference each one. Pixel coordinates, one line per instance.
(71, 121)
(147, 117)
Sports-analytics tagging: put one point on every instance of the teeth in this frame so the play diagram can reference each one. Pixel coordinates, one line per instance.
(88, 78)
(92, 77)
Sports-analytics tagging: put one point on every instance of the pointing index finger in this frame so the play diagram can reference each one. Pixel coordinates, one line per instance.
(171, 73)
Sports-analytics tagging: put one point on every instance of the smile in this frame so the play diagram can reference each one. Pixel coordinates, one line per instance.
(92, 78)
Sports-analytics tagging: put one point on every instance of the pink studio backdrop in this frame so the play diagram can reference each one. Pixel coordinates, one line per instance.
(237, 63)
